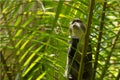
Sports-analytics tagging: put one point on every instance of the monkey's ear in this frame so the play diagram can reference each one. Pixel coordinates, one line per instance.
(70, 32)
(83, 27)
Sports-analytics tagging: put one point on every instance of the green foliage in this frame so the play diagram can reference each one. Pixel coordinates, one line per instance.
(34, 38)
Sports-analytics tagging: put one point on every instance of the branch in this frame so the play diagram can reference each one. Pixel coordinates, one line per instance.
(92, 3)
(99, 41)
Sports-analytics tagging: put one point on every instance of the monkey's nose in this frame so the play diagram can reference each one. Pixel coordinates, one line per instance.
(75, 26)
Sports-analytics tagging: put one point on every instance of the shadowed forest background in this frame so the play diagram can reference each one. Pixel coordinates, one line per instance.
(34, 37)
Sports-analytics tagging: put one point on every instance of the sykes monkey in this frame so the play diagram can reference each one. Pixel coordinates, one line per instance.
(77, 34)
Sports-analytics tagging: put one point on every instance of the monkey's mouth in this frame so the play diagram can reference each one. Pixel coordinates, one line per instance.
(76, 26)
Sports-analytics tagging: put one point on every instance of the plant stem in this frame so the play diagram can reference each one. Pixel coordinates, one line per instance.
(84, 52)
(99, 41)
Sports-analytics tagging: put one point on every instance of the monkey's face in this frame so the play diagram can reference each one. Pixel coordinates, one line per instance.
(77, 28)
(76, 23)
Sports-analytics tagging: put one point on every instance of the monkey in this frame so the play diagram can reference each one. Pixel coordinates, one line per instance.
(77, 31)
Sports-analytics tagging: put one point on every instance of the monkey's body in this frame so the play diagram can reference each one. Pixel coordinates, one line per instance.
(77, 33)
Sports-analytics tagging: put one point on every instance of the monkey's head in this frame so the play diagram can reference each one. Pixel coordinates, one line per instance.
(77, 28)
